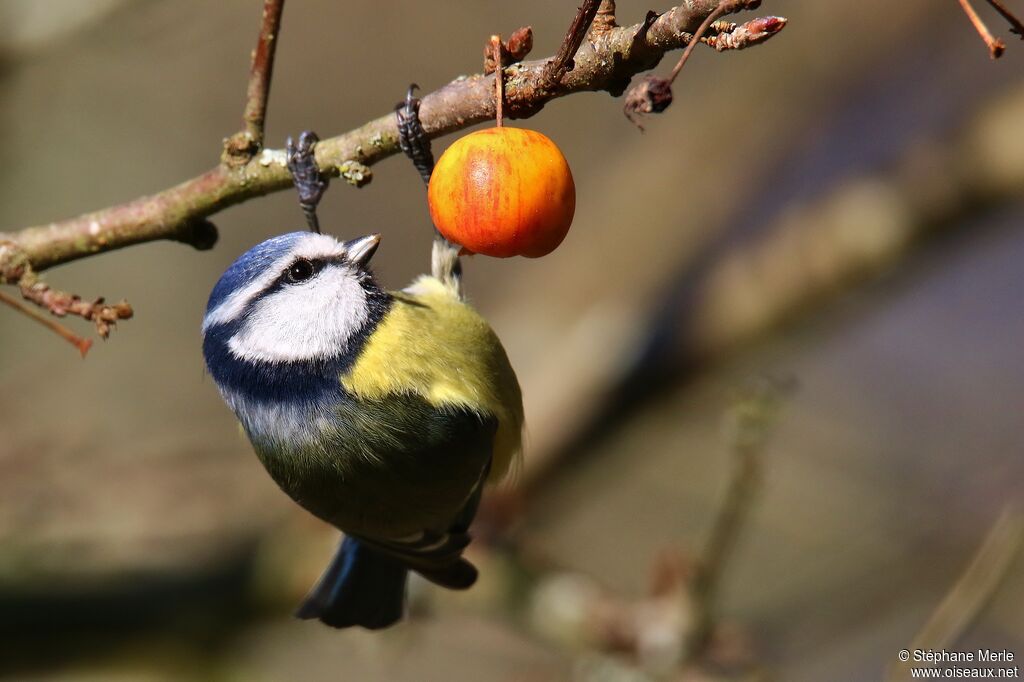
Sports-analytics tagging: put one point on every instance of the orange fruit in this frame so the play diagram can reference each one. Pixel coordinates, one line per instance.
(503, 192)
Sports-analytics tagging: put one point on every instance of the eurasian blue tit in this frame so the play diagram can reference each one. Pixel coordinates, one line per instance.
(383, 413)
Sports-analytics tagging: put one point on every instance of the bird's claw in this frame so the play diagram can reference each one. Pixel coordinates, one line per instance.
(310, 183)
(411, 137)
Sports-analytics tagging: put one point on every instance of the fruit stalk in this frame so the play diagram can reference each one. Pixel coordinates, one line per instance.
(499, 80)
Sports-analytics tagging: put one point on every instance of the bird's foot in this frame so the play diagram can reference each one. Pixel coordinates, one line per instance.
(310, 183)
(411, 137)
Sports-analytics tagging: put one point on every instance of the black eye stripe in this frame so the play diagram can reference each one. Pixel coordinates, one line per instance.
(364, 278)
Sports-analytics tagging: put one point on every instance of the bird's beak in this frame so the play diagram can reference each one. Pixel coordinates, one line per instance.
(361, 250)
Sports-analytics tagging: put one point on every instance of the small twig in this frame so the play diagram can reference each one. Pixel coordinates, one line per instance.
(105, 316)
(262, 71)
(563, 60)
(995, 45)
(499, 80)
(730, 519)
(750, 424)
(78, 342)
(1015, 24)
(973, 590)
(710, 19)
(242, 146)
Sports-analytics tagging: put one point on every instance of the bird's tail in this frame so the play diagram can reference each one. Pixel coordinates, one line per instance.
(362, 586)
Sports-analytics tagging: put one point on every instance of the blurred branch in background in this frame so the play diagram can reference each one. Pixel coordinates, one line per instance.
(859, 229)
(749, 425)
(972, 592)
(608, 61)
(804, 258)
(678, 625)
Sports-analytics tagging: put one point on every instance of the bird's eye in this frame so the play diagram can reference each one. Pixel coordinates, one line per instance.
(300, 271)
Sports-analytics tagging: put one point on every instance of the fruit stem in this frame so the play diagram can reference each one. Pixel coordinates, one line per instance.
(723, 6)
(499, 80)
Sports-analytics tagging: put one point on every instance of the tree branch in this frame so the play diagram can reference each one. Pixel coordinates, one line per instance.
(16, 266)
(995, 45)
(563, 61)
(61, 303)
(972, 591)
(607, 63)
(1016, 26)
(750, 423)
(240, 147)
(701, 30)
(83, 345)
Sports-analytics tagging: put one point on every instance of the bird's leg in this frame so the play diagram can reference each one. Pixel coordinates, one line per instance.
(412, 138)
(310, 183)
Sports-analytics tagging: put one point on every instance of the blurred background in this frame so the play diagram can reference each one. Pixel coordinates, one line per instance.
(782, 339)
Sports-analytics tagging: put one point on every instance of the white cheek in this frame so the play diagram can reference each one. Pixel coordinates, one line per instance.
(304, 322)
(311, 246)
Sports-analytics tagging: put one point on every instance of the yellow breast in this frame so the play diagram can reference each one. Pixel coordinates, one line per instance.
(433, 344)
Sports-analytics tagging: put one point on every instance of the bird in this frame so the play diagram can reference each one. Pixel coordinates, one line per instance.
(381, 412)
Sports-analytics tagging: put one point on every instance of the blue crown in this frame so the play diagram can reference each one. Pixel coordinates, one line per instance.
(251, 265)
